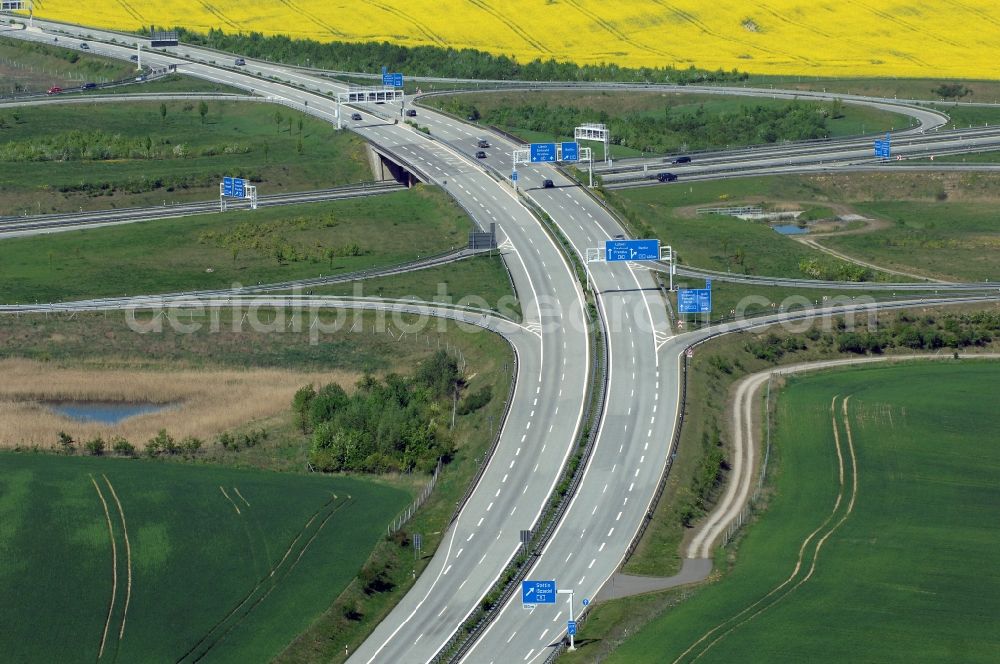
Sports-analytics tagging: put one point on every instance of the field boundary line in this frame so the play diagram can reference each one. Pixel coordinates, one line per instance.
(114, 566)
(128, 556)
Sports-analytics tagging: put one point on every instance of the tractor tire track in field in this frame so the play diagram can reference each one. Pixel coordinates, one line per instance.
(231, 501)
(517, 29)
(729, 622)
(430, 34)
(615, 32)
(887, 16)
(128, 558)
(219, 15)
(819, 544)
(294, 7)
(275, 576)
(270, 590)
(978, 12)
(114, 567)
(131, 11)
(693, 20)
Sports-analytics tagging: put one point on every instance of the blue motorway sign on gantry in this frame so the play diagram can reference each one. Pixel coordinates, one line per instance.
(631, 250)
(538, 592)
(234, 187)
(395, 80)
(694, 300)
(883, 148)
(542, 152)
(570, 152)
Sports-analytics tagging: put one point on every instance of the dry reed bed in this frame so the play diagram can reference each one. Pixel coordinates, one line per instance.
(204, 402)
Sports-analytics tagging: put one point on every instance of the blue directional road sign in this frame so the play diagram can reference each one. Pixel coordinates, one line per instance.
(883, 148)
(708, 284)
(513, 176)
(538, 592)
(571, 627)
(541, 152)
(239, 188)
(694, 300)
(586, 601)
(395, 80)
(631, 250)
(571, 152)
(227, 186)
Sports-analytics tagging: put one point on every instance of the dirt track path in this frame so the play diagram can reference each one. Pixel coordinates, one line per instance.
(814, 244)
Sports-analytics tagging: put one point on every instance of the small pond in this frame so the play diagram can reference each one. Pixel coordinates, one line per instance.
(790, 229)
(101, 411)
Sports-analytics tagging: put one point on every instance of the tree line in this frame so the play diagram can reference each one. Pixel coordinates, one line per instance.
(390, 424)
(438, 61)
(669, 130)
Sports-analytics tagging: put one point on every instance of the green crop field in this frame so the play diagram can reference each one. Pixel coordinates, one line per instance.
(906, 565)
(133, 154)
(217, 563)
(217, 250)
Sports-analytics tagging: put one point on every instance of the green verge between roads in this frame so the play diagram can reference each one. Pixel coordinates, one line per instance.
(169, 83)
(946, 239)
(662, 122)
(218, 250)
(201, 547)
(930, 212)
(35, 67)
(698, 473)
(156, 153)
(903, 577)
(480, 281)
(740, 300)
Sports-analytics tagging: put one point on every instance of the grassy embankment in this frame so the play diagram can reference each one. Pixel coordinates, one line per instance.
(712, 121)
(932, 224)
(246, 247)
(716, 366)
(913, 541)
(34, 67)
(134, 155)
(235, 562)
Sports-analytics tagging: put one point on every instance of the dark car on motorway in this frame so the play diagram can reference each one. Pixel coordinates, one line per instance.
(84, 46)
(666, 177)
(134, 58)
(483, 143)
(239, 62)
(681, 160)
(411, 113)
(548, 184)
(89, 86)
(480, 155)
(355, 116)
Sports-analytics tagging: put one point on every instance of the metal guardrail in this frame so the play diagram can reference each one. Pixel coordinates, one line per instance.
(732, 211)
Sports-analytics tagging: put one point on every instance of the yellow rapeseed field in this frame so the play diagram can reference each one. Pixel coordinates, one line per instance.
(908, 38)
